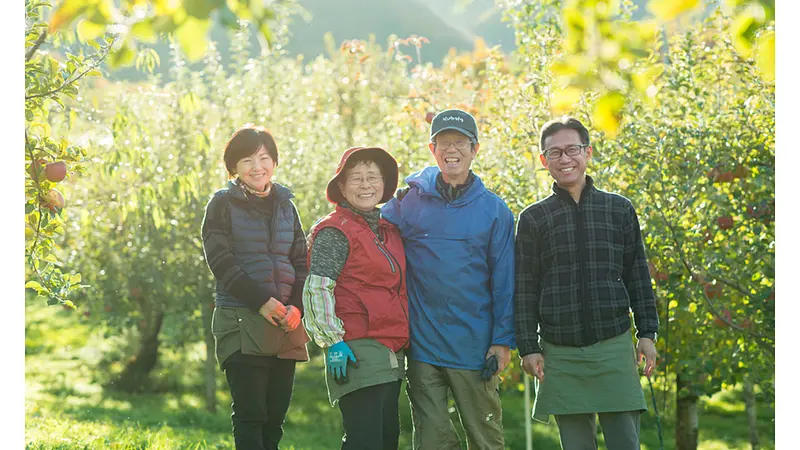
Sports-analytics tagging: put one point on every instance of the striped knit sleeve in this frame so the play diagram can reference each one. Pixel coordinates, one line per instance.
(320, 317)
(329, 251)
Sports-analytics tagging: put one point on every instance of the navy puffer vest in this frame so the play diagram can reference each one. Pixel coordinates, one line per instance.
(261, 249)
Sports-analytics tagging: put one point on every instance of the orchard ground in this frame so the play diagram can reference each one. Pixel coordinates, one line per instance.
(66, 408)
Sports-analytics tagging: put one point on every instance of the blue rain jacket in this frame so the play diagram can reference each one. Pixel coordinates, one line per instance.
(460, 271)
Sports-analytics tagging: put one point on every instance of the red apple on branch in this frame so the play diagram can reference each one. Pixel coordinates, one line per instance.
(56, 171)
(712, 290)
(54, 200)
(720, 322)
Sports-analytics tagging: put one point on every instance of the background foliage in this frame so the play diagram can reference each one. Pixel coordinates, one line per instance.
(682, 121)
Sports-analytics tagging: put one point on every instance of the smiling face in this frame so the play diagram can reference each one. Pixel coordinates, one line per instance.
(454, 162)
(568, 171)
(256, 170)
(362, 185)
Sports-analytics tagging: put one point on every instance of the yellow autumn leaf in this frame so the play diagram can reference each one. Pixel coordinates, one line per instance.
(68, 11)
(644, 78)
(69, 304)
(607, 113)
(89, 30)
(192, 36)
(563, 100)
(669, 9)
(765, 56)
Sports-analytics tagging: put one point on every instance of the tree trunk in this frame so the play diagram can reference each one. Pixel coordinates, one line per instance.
(750, 410)
(686, 425)
(210, 372)
(135, 375)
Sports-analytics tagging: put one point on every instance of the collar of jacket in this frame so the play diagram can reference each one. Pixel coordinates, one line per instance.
(280, 191)
(450, 192)
(425, 181)
(345, 208)
(566, 196)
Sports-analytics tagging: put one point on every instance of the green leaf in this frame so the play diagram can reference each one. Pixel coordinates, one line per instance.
(122, 56)
(765, 56)
(33, 285)
(67, 12)
(265, 37)
(669, 9)
(607, 113)
(88, 31)
(563, 100)
(192, 36)
(200, 9)
(144, 31)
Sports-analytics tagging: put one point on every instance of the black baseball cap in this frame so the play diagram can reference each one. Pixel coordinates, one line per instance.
(455, 119)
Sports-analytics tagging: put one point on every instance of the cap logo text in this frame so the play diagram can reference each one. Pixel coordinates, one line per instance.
(449, 118)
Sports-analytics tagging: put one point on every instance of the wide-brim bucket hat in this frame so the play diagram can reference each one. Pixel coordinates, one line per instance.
(381, 157)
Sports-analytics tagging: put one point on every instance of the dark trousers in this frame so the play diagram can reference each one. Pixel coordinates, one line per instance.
(371, 418)
(579, 431)
(261, 388)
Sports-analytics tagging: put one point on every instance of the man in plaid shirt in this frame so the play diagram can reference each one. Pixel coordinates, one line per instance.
(580, 270)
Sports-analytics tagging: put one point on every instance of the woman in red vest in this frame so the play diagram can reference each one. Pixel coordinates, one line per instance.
(355, 299)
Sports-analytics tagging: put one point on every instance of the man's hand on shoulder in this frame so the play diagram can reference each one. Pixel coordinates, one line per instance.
(401, 192)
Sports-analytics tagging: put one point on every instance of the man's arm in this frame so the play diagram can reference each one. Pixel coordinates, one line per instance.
(636, 276)
(527, 286)
(392, 211)
(501, 266)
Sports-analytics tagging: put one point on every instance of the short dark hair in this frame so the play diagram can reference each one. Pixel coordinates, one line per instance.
(244, 142)
(563, 123)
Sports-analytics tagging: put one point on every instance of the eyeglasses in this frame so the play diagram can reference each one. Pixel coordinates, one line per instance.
(358, 181)
(570, 150)
(459, 145)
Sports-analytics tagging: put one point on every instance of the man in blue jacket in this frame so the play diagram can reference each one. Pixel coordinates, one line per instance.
(459, 244)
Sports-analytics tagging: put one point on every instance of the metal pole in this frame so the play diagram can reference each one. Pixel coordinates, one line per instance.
(528, 433)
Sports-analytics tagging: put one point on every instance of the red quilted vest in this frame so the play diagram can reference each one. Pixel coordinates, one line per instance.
(371, 297)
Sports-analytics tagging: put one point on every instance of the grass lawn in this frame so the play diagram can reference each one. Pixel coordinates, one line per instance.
(65, 410)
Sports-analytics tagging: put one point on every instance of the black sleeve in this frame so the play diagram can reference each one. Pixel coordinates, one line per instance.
(636, 277)
(527, 288)
(216, 233)
(297, 255)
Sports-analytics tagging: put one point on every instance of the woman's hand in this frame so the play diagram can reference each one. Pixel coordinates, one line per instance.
(274, 311)
(292, 318)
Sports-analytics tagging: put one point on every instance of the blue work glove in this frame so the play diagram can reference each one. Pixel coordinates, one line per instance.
(339, 354)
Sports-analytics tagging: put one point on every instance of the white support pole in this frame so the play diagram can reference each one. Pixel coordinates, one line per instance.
(528, 432)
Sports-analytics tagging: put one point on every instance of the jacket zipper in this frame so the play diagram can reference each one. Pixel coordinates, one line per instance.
(393, 263)
(386, 254)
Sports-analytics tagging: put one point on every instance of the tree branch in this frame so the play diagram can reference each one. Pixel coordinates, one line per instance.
(93, 66)
(36, 45)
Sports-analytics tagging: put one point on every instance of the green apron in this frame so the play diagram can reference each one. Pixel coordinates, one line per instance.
(377, 364)
(601, 377)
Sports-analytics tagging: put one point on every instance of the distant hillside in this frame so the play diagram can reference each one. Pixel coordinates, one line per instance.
(358, 19)
(446, 23)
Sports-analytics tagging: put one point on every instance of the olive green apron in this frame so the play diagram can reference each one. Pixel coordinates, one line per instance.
(601, 377)
(377, 364)
(241, 329)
